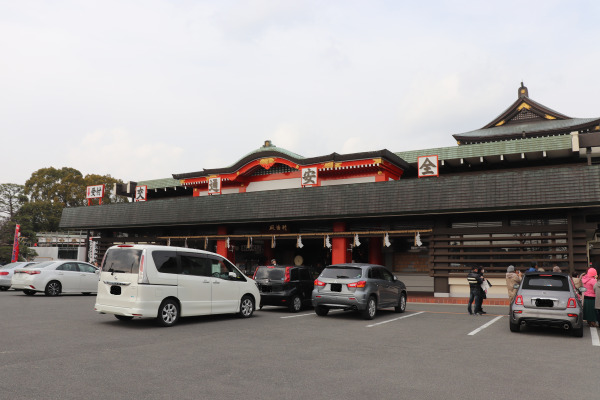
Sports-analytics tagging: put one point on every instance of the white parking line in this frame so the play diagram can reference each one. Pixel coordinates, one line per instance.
(482, 327)
(304, 315)
(298, 315)
(594, 334)
(395, 319)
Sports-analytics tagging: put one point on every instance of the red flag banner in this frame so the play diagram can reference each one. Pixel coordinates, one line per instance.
(15, 252)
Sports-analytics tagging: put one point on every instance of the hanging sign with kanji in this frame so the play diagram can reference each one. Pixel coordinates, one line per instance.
(308, 177)
(214, 185)
(95, 192)
(141, 193)
(428, 166)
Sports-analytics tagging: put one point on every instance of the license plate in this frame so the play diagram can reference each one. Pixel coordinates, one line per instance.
(336, 287)
(544, 303)
(116, 290)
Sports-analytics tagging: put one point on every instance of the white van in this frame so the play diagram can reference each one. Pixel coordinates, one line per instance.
(166, 283)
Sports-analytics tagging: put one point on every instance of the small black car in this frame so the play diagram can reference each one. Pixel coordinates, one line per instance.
(281, 285)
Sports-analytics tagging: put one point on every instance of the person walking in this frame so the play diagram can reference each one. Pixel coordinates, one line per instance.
(512, 278)
(475, 280)
(589, 280)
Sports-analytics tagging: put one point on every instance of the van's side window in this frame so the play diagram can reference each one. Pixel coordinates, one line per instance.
(221, 269)
(192, 264)
(165, 261)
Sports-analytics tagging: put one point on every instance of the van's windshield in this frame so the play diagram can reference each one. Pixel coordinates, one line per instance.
(122, 259)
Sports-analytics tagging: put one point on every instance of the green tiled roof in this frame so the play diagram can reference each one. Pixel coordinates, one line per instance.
(574, 185)
(160, 183)
(272, 147)
(517, 146)
(528, 127)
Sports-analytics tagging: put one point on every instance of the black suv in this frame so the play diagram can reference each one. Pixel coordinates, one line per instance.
(281, 285)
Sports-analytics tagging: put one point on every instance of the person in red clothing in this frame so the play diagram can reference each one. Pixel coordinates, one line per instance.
(589, 297)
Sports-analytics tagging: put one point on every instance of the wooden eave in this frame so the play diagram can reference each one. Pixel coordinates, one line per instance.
(266, 159)
(525, 102)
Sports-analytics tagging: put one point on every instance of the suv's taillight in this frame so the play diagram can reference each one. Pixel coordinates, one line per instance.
(287, 274)
(359, 284)
(519, 300)
(319, 283)
(571, 303)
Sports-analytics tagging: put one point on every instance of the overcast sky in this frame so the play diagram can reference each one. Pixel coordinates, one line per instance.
(144, 89)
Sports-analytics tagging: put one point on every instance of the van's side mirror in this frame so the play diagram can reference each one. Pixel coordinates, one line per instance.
(516, 286)
(232, 275)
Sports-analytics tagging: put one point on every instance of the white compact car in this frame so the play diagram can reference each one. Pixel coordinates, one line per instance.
(56, 277)
(166, 283)
(6, 273)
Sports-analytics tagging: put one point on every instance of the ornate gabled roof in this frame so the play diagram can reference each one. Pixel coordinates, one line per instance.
(269, 151)
(527, 118)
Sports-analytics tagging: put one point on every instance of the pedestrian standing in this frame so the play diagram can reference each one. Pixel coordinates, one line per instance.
(475, 280)
(485, 285)
(589, 280)
(533, 268)
(597, 290)
(512, 278)
(576, 280)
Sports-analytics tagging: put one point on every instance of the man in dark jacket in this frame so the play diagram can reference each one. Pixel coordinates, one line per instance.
(475, 280)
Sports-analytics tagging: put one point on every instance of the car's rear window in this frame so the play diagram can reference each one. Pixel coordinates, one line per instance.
(40, 265)
(272, 273)
(548, 282)
(123, 259)
(342, 273)
(11, 265)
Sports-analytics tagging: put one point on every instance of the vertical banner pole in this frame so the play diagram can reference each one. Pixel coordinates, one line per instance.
(15, 252)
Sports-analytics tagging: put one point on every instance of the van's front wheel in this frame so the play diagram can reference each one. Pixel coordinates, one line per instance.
(246, 307)
(168, 313)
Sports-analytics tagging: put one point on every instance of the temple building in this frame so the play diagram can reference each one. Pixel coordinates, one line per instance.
(524, 188)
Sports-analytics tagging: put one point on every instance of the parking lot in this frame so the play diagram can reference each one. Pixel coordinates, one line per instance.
(59, 348)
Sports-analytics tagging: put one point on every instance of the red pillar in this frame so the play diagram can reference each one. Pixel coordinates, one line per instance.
(338, 244)
(375, 254)
(222, 243)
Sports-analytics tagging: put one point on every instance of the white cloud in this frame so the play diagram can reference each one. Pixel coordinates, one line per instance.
(123, 156)
(198, 85)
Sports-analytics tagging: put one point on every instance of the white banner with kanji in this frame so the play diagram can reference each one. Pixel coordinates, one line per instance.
(95, 192)
(428, 166)
(141, 193)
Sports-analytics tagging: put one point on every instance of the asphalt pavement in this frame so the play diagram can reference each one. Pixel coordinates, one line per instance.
(59, 348)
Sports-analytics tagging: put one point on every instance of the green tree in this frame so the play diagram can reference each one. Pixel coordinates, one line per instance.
(12, 196)
(63, 186)
(67, 186)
